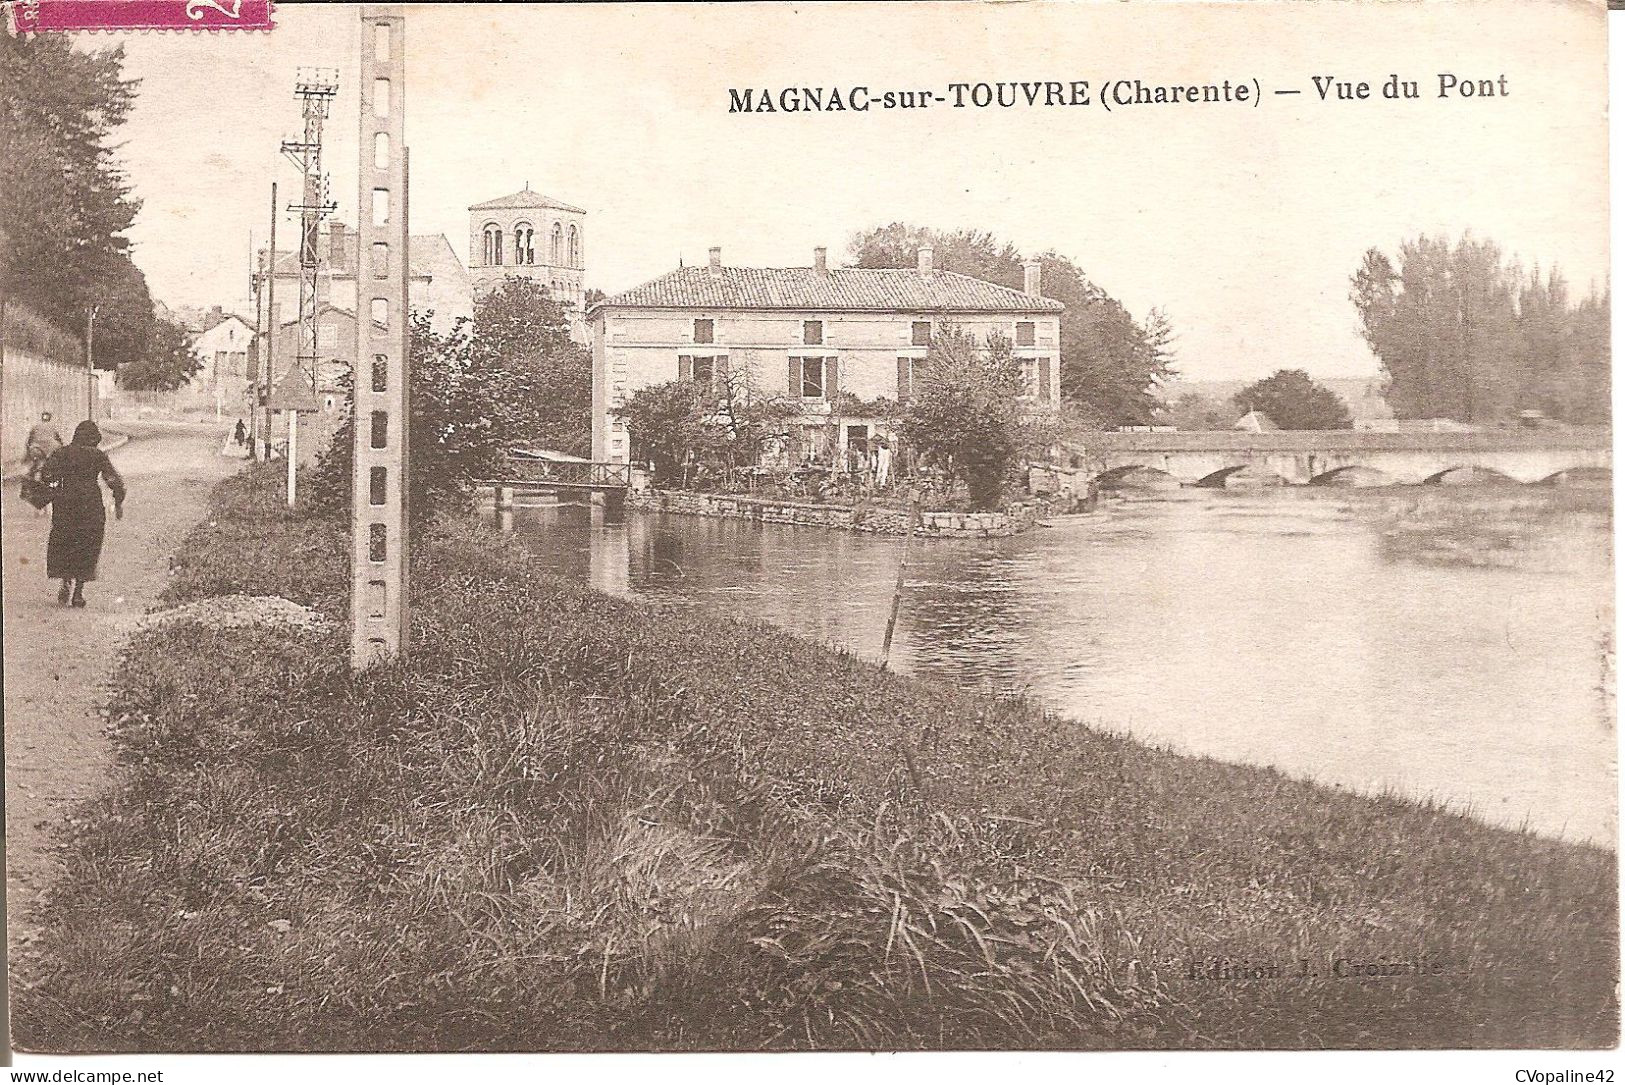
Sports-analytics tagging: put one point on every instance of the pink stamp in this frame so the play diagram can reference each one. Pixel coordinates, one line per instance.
(37, 16)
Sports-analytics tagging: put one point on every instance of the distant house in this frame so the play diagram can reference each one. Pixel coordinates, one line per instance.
(808, 334)
(439, 283)
(223, 345)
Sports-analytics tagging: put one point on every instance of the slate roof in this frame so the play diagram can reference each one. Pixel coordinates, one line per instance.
(524, 199)
(838, 289)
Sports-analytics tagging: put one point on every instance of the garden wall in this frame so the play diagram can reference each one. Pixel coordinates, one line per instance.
(43, 370)
(878, 519)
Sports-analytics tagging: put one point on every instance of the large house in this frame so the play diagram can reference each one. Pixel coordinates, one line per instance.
(809, 334)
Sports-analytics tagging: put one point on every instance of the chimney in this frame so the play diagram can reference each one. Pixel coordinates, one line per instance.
(1034, 281)
(716, 261)
(925, 259)
(335, 245)
(820, 259)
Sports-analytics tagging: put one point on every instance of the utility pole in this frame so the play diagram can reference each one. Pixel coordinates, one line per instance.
(296, 392)
(262, 397)
(379, 612)
(316, 88)
(90, 362)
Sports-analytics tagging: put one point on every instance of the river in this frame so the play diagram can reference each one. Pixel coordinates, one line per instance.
(1446, 642)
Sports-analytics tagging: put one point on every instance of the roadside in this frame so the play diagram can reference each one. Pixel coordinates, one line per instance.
(58, 660)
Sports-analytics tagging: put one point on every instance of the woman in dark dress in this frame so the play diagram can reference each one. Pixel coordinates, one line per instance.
(78, 517)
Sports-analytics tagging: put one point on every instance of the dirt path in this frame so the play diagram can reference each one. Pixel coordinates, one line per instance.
(58, 660)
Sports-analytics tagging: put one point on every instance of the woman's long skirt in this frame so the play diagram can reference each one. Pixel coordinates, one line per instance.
(78, 523)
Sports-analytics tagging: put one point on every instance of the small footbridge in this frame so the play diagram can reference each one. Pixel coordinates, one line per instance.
(523, 472)
(1333, 457)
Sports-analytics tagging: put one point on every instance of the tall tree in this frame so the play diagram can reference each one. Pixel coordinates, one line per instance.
(1292, 400)
(964, 411)
(66, 201)
(1111, 364)
(547, 377)
(1462, 334)
(167, 364)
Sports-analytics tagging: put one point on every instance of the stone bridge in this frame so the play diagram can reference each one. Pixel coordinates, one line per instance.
(1331, 457)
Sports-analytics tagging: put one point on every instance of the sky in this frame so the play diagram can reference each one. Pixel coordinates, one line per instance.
(1242, 221)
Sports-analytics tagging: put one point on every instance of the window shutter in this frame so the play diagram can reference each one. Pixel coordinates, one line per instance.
(1043, 379)
(794, 387)
(719, 372)
(685, 367)
(832, 377)
(904, 380)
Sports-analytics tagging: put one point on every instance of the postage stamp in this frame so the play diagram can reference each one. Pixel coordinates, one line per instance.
(40, 16)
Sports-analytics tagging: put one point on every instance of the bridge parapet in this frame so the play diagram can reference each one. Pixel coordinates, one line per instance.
(1589, 438)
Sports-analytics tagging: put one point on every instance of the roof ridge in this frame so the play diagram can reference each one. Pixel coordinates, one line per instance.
(845, 288)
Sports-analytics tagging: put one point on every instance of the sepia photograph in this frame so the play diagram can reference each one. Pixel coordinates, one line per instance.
(760, 528)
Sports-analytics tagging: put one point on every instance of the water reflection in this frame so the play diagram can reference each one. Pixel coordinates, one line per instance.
(1305, 630)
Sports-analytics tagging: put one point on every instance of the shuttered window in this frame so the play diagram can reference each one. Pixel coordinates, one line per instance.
(704, 331)
(905, 378)
(708, 369)
(814, 378)
(922, 333)
(1043, 379)
(1024, 333)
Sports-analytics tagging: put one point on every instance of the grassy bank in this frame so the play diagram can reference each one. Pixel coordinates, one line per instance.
(576, 822)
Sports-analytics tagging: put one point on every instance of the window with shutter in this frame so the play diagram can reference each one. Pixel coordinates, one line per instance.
(812, 332)
(905, 378)
(1024, 333)
(704, 331)
(811, 375)
(685, 367)
(1043, 379)
(792, 384)
(704, 369)
(922, 333)
(832, 377)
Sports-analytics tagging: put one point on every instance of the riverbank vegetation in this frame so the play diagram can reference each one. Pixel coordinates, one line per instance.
(572, 821)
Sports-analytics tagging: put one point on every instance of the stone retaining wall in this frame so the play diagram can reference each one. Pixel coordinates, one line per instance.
(878, 519)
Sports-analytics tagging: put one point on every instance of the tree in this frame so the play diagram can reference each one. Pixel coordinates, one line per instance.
(546, 376)
(1462, 334)
(508, 378)
(168, 362)
(719, 421)
(67, 202)
(666, 422)
(1110, 364)
(1193, 412)
(964, 411)
(1293, 401)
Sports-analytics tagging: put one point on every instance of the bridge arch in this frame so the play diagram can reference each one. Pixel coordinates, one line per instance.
(1468, 475)
(1136, 476)
(1589, 477)
(1353, 474)
(1244, 474)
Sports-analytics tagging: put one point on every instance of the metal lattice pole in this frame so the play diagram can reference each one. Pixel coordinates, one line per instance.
(315, 88)
(378, 588)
